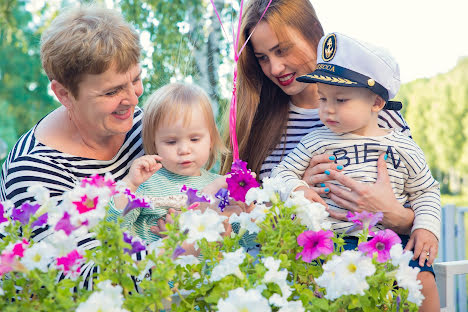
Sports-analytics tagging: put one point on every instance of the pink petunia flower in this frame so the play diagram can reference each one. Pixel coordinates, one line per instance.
(315, 244)
(381, 244)
(239, 183)
(9, 262)
(86, 204)
(364, 220)
(19, 248)
(71, 263)
(100, 181)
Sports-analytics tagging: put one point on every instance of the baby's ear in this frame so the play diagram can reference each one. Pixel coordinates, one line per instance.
(379, 103)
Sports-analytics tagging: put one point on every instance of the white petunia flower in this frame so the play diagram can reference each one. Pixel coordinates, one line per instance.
(406, 278)
(39, 256)
(109, 298)
(278, 277)
(186, 260)
(200, 225)
(42, 197)
(156, 248)
(292, 306)
(312, 215)
(259, 212)
(346, 274)
(229, 265)
(239, 300)
(62, 243)
(400, 256)
(256, 194)
(245, 222)
(269, 192)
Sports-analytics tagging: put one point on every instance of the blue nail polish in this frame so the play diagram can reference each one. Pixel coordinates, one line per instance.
(331, 157)
(339, 167)
(322, 184)
(327, 172)
(385, 157)
(327, 190)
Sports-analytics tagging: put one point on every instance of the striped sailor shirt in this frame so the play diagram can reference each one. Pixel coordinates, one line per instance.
(409, 173)
(302, 121)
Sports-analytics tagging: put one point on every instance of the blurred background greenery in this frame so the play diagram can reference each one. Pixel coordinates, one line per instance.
(182, 40)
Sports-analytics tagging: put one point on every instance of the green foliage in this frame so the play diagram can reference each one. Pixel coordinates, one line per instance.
(437, 111)
(24, 97)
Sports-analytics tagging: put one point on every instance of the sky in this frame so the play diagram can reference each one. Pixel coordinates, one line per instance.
(425, 37)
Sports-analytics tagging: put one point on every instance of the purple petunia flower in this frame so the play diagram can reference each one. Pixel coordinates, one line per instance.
(239, 165)
(136, 244)
(41, 221)
(192, 196)
(364, 220)
(135, 203)
(24, 213)
(2, 212)
(177, 252)
(381, 244)
(315, 244)
(223, 196)
(65, 224)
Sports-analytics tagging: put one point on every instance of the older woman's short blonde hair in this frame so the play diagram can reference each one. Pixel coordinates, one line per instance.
(87, 40)
(174, 101)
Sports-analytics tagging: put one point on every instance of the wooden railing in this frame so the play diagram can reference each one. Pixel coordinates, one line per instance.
(451, 265)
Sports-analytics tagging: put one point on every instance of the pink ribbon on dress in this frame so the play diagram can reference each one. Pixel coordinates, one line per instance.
(237, 52)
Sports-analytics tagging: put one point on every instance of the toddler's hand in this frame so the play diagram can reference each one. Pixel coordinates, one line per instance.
(215, 186)
(141, 170)
(311, 195)
(423, 242)
(161, 224)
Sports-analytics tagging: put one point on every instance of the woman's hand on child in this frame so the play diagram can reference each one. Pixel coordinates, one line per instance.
(424, 245)
(141, 170)
(316, 174)
(371, 197)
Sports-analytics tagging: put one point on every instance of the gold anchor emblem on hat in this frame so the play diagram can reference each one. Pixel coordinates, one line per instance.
(329, 49)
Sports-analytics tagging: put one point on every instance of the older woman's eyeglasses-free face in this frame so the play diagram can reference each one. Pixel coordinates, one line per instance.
(106, 102)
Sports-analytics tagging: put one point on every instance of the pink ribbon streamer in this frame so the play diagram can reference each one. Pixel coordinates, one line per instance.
(237, 52)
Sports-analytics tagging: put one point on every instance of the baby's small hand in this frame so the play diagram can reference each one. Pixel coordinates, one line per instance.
(424, 245)
(141, 170)
(311, 195)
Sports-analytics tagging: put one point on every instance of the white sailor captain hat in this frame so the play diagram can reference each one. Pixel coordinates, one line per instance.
(344, 61)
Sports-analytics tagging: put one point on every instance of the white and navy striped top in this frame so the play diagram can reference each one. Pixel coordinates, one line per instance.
(302, 121)
(410, 177)
(31, 162)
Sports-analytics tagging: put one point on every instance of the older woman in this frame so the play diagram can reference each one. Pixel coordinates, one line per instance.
(91, 56)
